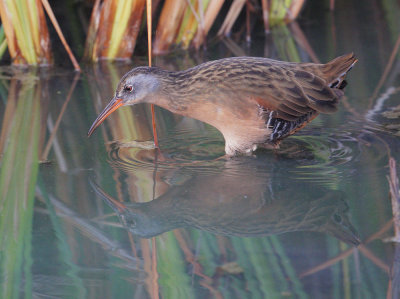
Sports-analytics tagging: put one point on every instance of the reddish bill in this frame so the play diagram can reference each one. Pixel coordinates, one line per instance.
(111, 107)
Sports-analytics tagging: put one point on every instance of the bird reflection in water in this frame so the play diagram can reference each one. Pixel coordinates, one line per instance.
(238, 204)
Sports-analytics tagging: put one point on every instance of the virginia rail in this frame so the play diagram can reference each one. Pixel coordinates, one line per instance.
(253, 101)
(250, 206)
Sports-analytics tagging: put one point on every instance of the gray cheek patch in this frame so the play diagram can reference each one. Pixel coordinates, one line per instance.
(144, 84)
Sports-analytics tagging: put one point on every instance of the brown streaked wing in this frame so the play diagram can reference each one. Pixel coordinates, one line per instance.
(295, 92)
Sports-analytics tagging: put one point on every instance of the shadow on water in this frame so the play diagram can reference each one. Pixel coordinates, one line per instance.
(251, 205)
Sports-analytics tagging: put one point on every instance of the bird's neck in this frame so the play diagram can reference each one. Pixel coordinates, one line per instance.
(177, 92)
(189, 94)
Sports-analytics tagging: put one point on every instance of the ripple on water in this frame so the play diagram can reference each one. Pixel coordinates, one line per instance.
(335, 148)
(184, 149)
(315, 156)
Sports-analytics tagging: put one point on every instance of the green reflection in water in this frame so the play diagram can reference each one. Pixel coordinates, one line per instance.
(18, 175)
(65, 257)
(173, 280)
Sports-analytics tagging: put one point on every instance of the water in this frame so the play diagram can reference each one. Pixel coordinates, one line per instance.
(278, 224)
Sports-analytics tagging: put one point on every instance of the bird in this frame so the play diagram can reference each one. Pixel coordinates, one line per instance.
(254, 102)
(248, 208)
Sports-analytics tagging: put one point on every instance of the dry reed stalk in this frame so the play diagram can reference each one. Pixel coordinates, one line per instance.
(86, 228)
(189, 24)
(92, 32)
(395, 197)
(8, 115)
(26, 31)
(274, 12)
(374, 259)
(332, 5)
(190, 257)
(202, 10)
(147, 265)
(232, 46)
(114, 27)
(154, 6)
(248, 29)
(327, 263)
(193, 22)
(387, 226)
(59, 118)
(206, 282)
(393, 291)
(168, 30)
(3, 42)
(294, 10)
(60, 34)
(388, 67)
(154, 273)
(231, 17)
(265, 9)
(301, 39)
(209, 17)
(149, 46)
(149, 27)
(284, 11)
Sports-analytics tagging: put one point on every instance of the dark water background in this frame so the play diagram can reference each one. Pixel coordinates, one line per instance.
(274, 225)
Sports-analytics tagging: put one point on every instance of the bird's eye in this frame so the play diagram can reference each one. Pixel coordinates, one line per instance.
(128, 88)
(337, 218)
(130, 223)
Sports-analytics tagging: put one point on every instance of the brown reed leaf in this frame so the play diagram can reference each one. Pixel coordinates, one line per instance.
(210, 15)
(231, 17)
(60, 34)
(113, 30)
(395, 197)
(265, 9)
(294, 10)
(26, 31)
(167, 31)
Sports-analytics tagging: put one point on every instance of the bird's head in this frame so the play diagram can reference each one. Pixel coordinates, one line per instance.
(138, 218)
(139, 85)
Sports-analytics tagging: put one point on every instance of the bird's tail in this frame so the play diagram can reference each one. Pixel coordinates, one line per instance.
(335, 70)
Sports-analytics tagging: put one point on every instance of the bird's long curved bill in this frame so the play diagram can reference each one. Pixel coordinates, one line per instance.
(110, 108)
(117, 206)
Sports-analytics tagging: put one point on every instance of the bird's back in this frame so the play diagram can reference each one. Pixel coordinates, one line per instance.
(260, 100)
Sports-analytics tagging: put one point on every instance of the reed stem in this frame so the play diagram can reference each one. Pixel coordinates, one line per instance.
(60, 34)
(26, 32)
